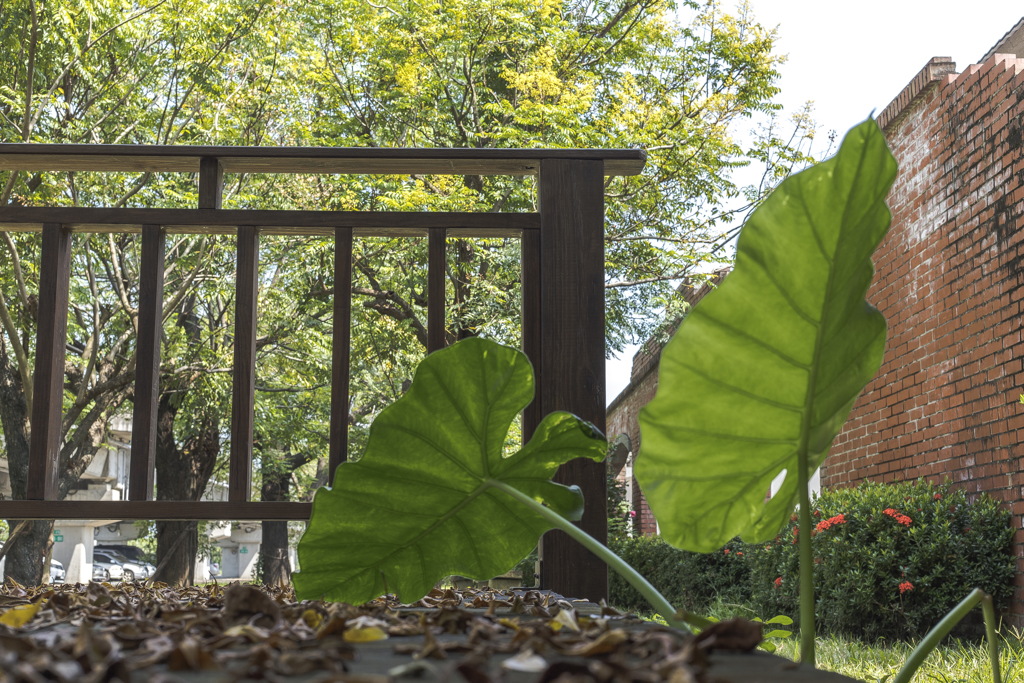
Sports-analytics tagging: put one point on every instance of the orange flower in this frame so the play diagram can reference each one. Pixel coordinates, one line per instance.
(906, 586)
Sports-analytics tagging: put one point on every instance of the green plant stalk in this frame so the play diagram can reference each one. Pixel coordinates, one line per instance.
(676, 618)
(806, 568)
(989, 611)
(935, 636)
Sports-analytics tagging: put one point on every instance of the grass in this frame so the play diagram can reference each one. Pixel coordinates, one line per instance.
(955, 661)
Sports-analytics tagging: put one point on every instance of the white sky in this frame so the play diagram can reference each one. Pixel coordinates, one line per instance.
(854, 57)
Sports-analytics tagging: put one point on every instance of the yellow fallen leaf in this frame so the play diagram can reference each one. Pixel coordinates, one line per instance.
(18, 616)
(312, 619)
(364, 635)
(567, 619)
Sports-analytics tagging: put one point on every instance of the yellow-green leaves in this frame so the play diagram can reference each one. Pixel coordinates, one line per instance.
(762, 374)
(421, 503)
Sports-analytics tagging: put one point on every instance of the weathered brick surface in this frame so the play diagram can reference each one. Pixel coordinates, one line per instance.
(624, 412)
(623, 417)
(950, 279)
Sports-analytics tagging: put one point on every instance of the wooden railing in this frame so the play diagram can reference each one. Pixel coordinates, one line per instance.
(562, 316)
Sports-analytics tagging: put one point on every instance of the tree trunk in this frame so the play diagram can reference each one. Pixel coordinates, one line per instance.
(277, 569)
(24, 561)
(181, 474)
(277, 478)
(176, 546)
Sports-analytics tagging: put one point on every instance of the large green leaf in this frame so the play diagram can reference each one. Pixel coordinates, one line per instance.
(763, 372)
(421, 504)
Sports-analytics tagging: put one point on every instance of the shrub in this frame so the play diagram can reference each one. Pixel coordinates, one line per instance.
(890, 560)
(692, 581)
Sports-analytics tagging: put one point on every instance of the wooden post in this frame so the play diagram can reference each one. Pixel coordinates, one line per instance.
(341, 347)
(435, 289)
(48, 383)
(571, 197)
(211, 183)
(243, 386)
(147, 364)
(530, 278)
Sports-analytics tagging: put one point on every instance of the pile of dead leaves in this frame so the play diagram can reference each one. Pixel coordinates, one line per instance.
(103, 632)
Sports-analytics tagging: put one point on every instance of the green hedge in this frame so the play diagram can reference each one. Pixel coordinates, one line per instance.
(692, 581)
(890, 561)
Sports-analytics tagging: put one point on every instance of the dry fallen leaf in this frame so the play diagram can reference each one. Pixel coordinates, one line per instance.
(16, 617)
(734, 634)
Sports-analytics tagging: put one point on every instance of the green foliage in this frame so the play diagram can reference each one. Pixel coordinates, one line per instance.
(953, 543)
(424, 500)
(620, 513)
(691, 581)
(957, 660)
(762, 373)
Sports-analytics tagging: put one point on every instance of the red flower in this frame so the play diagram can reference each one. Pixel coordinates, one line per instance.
(796, 530)
(726, 551)
(740, 554)
(906, 586)
(824, 525)
(792, 517)
(937, 496)
(898, 516)
(778, 582)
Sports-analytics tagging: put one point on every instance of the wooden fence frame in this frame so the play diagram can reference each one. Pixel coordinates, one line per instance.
(562, 317)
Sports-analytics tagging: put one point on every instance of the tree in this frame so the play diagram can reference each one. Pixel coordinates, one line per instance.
(504, 73)
(111, 72)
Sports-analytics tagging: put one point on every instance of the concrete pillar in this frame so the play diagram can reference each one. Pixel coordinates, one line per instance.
(72, 547)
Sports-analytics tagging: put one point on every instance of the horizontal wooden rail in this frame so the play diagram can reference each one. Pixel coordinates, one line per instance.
(225, 221)
(342, 160)
(153, 509)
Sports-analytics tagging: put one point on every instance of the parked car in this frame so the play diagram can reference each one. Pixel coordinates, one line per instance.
(133, 553)
(99, 572)
(114, 572)
(129, 570)
(57, 573)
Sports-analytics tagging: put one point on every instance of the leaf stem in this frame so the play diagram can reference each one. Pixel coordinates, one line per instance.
(806, 568)
(935, 636)
(676, 618)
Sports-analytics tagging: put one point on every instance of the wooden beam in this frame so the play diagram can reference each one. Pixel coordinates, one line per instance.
(341, 346)
(530, 278)
(147, 364)
(48, 384)
(154, 509)
(243, 385)
(571, 196)
(436, 278)
(211, 183)
(225, 221)
(347, 160)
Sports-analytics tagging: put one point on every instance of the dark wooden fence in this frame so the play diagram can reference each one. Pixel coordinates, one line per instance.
(562, 317)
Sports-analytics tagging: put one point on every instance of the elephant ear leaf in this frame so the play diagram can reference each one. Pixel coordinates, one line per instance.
(421, 503)
(762, 374)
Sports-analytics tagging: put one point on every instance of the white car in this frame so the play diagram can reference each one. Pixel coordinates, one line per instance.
(114, 571)
(129, 571)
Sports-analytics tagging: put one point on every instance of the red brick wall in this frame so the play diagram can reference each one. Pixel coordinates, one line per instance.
(950, 279)
(623, 416)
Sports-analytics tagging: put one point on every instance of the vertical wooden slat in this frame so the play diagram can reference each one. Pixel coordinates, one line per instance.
(341, 348)
(147, 368)
(435, 289)
(211, 183)
(243, 389)
(530, 274)
(48, 385)
(571, 196)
